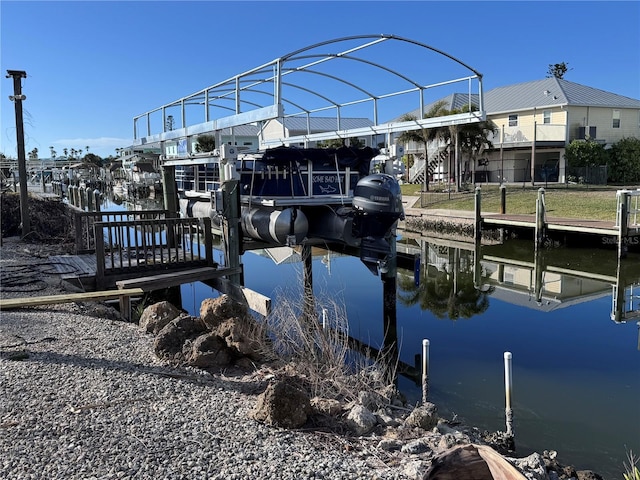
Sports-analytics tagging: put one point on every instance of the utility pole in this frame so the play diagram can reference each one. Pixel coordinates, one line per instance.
(17, 98)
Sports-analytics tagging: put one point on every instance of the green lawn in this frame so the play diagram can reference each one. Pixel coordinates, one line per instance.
(576, 201)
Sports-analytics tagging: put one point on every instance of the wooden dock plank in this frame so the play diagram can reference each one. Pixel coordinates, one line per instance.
(172, 279)
(600, 227)
(13, 303)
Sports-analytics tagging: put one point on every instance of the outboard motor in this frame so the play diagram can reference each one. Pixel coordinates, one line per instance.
(377, 201)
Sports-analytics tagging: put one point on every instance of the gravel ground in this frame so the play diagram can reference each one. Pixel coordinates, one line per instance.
(84, 397)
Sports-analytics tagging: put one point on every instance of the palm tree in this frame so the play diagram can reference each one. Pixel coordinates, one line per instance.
(66, 152)
(87, 148)
(471, 138)
(424, 135)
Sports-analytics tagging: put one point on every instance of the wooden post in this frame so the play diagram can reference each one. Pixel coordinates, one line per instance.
(97, 200)
(503, 199)
(478, 214)
(170, 195)
(100, 255)
(623, 226)
(77, 225)
(540, 216)
(231, 227)
(208, 240)
(308, 302)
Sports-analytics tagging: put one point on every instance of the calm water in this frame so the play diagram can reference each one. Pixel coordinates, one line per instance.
(576, 372)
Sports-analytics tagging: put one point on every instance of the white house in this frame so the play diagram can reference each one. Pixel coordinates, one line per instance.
(536, 121)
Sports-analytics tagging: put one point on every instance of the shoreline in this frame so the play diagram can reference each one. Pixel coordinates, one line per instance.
(76, 375)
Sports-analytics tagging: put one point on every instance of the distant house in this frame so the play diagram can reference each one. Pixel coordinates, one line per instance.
(535, 122)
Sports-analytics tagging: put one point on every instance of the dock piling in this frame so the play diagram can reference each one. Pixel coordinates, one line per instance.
(425, 370)
(508, 384)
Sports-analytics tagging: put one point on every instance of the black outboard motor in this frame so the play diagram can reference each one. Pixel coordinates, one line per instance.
(377, 201)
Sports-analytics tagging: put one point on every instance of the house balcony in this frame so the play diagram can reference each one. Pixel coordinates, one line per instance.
(545, 135)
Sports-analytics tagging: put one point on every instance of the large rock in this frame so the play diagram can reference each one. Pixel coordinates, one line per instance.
(155, 317)
(242, 336)
(361, 420)
(282, 404)
(214, 311)
(208, 351)
(424, 416)
(170, 340)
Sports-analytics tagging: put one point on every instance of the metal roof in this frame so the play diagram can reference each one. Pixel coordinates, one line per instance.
(550, 92)
(547, 92)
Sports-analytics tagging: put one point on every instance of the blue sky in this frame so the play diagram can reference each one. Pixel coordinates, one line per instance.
(92, 66)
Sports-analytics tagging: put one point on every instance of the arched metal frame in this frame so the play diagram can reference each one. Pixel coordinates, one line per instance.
(267, 80)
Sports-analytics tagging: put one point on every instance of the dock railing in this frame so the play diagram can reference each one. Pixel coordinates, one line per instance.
(85, 241)
(133, 247)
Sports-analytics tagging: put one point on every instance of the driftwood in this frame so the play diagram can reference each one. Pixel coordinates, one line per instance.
(472, 462)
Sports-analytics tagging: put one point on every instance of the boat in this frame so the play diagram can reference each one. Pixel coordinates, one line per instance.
(135, 175)
(292, 196)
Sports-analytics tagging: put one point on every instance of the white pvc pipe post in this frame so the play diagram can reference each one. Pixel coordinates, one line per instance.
(425, 370)
(324, 318)
(508, 384)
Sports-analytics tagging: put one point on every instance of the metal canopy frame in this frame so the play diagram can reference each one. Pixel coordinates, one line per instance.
(262, 94)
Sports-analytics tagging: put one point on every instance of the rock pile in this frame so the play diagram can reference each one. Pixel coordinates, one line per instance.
(423, 444)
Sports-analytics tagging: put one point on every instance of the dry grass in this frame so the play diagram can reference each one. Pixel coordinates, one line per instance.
(319, 350)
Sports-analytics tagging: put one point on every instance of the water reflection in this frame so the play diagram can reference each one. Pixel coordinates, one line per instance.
(457, 280)
(568, 315)
(447, 283)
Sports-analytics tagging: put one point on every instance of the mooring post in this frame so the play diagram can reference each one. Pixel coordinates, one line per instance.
(623, 221)
(478, 215)
(308, 306)
(540, 215)
(508, 384)
(97, 200)
(425, 370)
(503, 199)
(169, 190)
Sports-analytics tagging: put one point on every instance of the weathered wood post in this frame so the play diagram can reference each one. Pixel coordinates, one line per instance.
(308, 303)
(477, 232)
(170, 195)
(540, 216)
(97, 200)
(503, 199)
(89, 201)
(622, 219)
(231, 229)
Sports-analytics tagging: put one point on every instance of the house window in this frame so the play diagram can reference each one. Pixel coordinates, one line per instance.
(546, 116)
(616, 119)
(513, 120)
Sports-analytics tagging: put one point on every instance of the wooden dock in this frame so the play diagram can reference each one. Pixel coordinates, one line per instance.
(597, 227)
